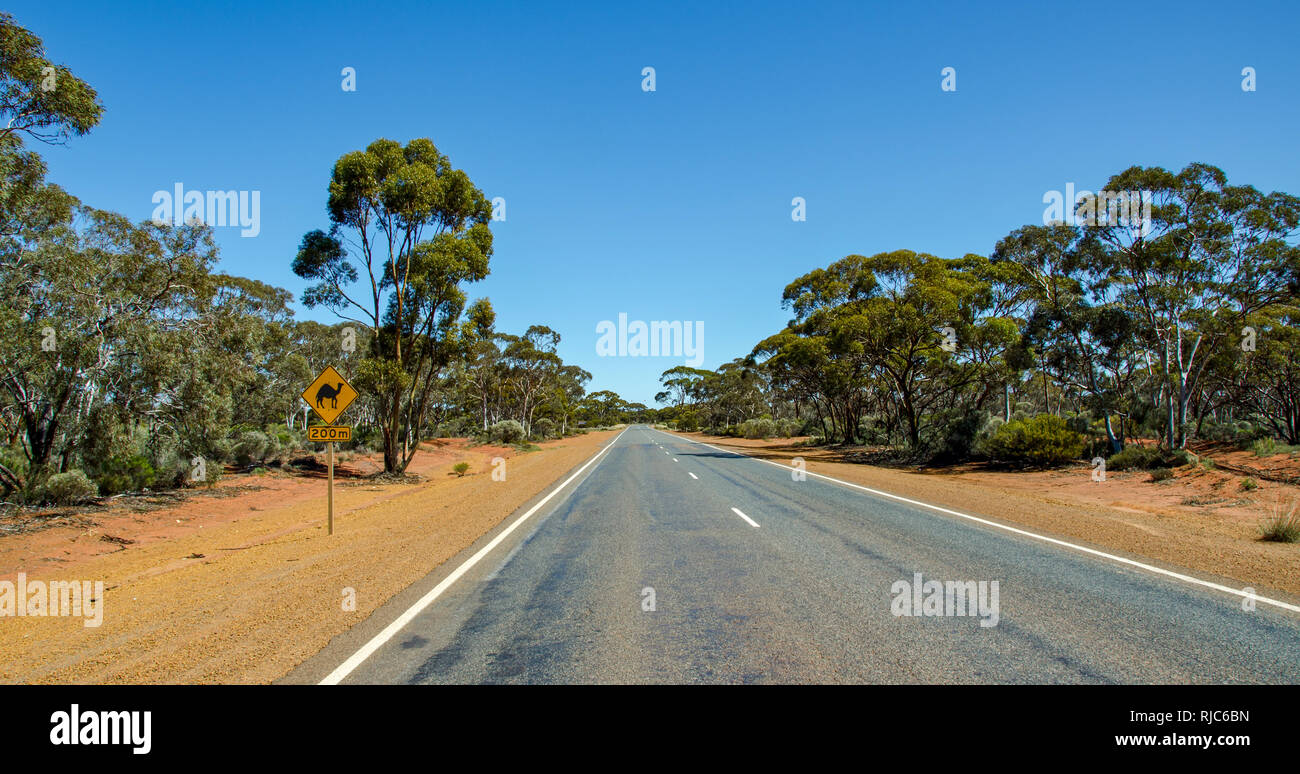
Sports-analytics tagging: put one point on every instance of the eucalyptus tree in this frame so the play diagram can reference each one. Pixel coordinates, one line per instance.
(409, 230)
(84, 309)
(1211, 255)
(531, 364)
(39, 98)
(680, 384)
(1086, 340)
(567, 392)
(604, 407)
(1274, 392)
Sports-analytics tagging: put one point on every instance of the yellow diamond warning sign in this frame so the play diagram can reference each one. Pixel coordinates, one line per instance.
(329, 395)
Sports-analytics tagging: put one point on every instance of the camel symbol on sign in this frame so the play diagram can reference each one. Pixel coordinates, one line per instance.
(328, 393)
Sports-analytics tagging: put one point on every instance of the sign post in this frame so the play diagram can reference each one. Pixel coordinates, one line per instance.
(328, 395)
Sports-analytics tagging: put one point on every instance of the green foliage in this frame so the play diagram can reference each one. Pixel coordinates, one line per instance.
(787, 427)
(71, 107)
(758, 428)
(70, 488)
(1041, 441)
(1136, 457)
(438, 240)
(214, 473)
(957, 433)
(460, 468)
(165, 359)
(1248, 483)
(506, 431)
(1162, 474)
(688, 422)
(1267, 447)
(252, 447)
(125, 474)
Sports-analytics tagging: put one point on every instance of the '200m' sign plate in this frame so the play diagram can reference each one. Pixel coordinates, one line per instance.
(329, 433)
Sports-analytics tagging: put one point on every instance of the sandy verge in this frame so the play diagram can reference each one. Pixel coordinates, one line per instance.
(1200, 520)
(242, 584)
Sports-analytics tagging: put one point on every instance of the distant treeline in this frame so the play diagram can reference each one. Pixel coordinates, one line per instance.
(1177, 328)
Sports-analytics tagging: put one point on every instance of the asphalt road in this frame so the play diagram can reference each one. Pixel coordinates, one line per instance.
(808, 595)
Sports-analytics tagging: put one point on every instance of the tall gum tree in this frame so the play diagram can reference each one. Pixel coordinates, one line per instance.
(407, 231)
(1212, 255)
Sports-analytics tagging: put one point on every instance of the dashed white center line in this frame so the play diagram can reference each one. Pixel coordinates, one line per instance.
(752, 523)
(692, 475)
(674, 459)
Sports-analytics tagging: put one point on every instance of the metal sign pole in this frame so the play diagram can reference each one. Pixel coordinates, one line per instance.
(330, 495)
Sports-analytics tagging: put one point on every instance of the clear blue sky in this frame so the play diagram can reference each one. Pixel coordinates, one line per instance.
(674, 205)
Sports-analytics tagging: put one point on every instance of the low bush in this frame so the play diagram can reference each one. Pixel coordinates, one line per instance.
(1248, 483)
(544, 428)
(1040, 441)
(1134, 457)
(69, 488)
(789, 427)
(126, 474)
(757, 428)
(253, 447)
(1162, 474)
(506, 431)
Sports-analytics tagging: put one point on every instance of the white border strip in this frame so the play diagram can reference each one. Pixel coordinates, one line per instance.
(367, 650)
(1149, 568)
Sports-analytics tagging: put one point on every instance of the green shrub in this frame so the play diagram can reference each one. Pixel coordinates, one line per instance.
(213, 473)
(757, 428)
(1162, 474)
(126, 474)
(544, 428)
(461, 468)
(1240, 432)
(788, 427)
(955, 434)
(253, 446)
(506, 431)
(1039, 441)
(69, 488)
(1134, 457)
(1248, 483)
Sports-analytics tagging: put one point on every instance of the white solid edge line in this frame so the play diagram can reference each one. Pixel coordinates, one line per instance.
(376, 642)
(692, 475)
(1055, 541)
(752, 523)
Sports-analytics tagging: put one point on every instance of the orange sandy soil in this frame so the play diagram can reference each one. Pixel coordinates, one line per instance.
(1200, 520)
(241, 583)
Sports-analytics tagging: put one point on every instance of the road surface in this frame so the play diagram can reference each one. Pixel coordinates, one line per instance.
(669, 561)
